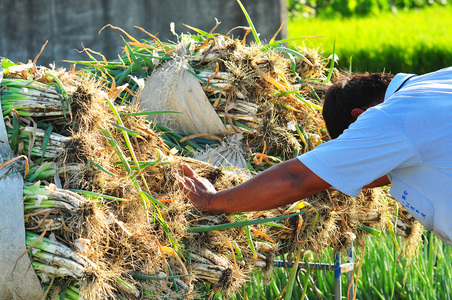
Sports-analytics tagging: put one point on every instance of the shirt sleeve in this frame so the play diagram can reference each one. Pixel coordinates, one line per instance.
(370, 148)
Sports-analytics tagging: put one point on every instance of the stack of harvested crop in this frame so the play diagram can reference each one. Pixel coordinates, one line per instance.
(255, 90)
(102, 178)
(102, 212)
(267, 93)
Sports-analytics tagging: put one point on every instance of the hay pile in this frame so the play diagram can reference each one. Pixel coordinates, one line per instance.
(108, 189)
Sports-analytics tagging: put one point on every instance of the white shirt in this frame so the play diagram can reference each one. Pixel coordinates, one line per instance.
(409, 138)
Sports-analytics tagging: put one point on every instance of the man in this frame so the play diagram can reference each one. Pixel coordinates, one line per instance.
(394, 131)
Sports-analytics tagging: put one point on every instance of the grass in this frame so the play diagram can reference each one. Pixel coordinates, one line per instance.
(415, 41)
(427, 276)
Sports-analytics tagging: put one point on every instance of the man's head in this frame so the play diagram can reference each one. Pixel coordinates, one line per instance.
(351, 96)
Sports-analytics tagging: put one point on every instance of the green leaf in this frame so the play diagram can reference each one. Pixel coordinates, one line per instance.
(149, 197)
(122, 76)
(6, 63)
(123, 128)
(204, 81)
(241, 224)
(97, 195)
(369, 230)
(248, 237)
(145, 113)
(111, 140)
(276, 43)
(102, 168)
(45, 141)
(291, 51)
(135, 60)
(330, 73)
(250, 23)
(60, 89)
(15, 135)
(201, 32)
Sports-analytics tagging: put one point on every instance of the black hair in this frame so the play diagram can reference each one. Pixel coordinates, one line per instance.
(348, 93)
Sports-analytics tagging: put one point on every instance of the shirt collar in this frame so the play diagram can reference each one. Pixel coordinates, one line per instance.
(396, 83)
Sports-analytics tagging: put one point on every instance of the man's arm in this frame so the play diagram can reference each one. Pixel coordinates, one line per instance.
(279, 185)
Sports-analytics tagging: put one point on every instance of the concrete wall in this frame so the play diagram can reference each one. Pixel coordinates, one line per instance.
(67, 25)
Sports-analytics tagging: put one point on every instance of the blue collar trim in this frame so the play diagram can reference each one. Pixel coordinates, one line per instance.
(396, 83)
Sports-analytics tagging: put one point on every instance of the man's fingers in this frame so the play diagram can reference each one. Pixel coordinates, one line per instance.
(197, 189)
(187, 171)
(185, 183)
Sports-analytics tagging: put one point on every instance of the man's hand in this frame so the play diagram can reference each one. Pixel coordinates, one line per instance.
(279, 185)
(198, 189)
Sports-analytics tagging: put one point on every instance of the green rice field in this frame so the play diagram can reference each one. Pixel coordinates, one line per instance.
(411, 42)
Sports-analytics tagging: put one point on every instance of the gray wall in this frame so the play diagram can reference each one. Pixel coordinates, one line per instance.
(67, 25)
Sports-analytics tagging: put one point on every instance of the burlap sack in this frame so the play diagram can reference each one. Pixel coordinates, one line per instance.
(172, 87)
(17, 277)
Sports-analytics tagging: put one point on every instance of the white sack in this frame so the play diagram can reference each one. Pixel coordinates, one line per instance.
(172, 87)
(229, 154)
(17, 277)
